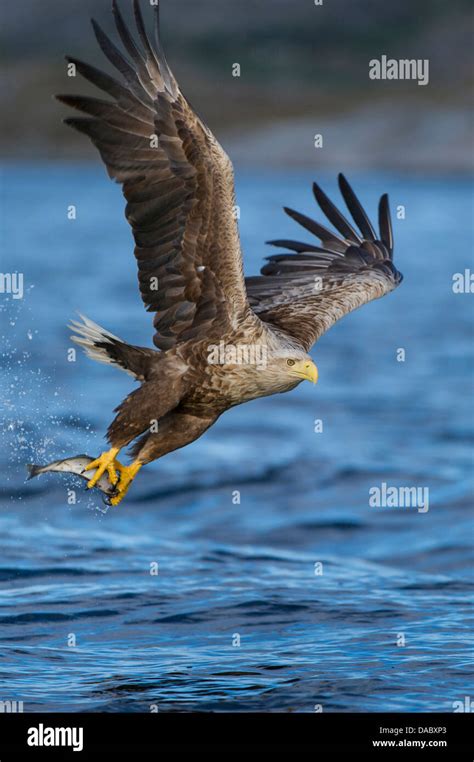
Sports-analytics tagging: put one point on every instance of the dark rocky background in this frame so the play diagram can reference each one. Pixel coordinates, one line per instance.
(304, 70)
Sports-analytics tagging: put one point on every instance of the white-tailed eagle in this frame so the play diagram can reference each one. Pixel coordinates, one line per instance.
(221, 339)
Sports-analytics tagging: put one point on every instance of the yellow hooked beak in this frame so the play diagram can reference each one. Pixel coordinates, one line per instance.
(305, 369)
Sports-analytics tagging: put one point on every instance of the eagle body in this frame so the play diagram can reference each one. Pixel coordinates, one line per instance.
(221, 339)
(182, 382)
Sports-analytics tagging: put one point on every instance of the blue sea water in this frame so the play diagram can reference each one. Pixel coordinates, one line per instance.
(279, 587)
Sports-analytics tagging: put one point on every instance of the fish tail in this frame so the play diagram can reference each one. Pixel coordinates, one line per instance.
(33, 470)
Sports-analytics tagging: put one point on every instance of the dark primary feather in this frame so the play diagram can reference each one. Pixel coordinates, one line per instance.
(305, 292)
(180, 193)
(329, 239)
(295, 245)
(385, 224)
(334, 215)
(356, 209)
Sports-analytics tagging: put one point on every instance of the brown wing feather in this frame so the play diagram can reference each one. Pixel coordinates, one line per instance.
(305, 293)
(180, 193)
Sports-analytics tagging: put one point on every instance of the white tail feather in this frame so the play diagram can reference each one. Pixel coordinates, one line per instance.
(89, 334)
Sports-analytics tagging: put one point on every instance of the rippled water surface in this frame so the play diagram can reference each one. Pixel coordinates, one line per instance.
(279, 587)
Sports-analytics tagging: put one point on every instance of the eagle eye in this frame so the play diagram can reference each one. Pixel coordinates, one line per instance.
(290, 362)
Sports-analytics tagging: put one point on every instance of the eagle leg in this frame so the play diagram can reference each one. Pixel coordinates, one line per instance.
(105, 462)
(127, 475)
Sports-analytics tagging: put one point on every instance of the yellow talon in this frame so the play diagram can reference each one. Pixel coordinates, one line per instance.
(127, 475)
(105, 462)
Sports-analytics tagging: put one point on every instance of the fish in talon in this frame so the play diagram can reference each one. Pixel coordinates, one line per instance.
(77, 466)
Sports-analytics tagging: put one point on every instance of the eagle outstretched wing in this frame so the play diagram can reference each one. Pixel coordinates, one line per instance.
(178, 183)
(305, 292)
(179, 186)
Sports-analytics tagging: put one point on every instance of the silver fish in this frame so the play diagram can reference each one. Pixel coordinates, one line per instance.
(76, 466)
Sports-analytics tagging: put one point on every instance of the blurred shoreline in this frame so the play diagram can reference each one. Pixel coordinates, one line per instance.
(372, 137)
(381, 137)
(304, 71)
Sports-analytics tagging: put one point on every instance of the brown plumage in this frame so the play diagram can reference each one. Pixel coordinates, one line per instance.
(224, 339)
